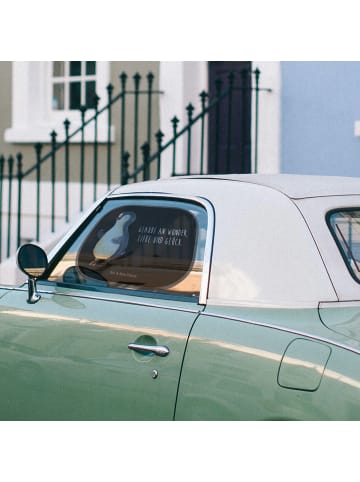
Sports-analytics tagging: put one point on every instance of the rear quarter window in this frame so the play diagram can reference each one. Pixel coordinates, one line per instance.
(344, 225)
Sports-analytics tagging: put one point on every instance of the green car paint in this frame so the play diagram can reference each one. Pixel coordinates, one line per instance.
(67, 357)
(250, 371)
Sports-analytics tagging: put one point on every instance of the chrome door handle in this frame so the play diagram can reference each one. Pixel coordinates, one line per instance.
(155, 349)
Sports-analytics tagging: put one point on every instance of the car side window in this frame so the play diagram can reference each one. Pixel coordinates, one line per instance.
(345, 227)
(154, 245)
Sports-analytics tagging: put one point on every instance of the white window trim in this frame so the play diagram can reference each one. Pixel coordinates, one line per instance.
(33, 118)
(65, 78)
(269, 128)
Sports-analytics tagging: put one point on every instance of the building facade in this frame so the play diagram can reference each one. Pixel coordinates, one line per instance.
(308, 122)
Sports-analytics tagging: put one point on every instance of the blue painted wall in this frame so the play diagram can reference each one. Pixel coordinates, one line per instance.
(319, 106)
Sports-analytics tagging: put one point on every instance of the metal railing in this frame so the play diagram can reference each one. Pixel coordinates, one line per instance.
(63, 195)
(60, 157)
(224, 93)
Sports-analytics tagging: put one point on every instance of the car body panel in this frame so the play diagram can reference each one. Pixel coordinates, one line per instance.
(67, 357)
(343, 317)
(252, 370)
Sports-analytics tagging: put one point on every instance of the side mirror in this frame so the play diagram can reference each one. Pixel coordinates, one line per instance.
(32, 261)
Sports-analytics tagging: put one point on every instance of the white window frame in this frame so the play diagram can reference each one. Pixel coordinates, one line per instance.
(66, 80)
(33, 118)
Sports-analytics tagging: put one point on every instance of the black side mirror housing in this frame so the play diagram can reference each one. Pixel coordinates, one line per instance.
(32, 260)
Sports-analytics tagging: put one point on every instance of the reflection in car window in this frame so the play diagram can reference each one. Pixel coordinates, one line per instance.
(137, 244)
(345, 227)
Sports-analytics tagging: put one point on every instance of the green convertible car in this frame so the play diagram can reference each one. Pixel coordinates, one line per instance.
(198, 298)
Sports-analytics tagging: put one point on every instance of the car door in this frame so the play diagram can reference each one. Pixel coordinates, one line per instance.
(107, 338)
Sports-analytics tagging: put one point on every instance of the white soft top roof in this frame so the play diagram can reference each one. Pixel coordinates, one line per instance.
(295, 186)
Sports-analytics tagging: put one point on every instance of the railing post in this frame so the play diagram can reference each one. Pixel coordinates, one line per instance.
(159, 136)
(125, 168)
(150, 78)
(67, 125)
(245, 140)
(257, 77)
(146, 154)
(190, 110)
(123, 78)
(229, 121)
(10, 178)
(19, 158)
(96, 101)
(2, 162)
(110, 89)
(218, 84)
(175, 122)
(203, 97)
(137, 78)
(53, 179)
(38, 147)
(82, 157)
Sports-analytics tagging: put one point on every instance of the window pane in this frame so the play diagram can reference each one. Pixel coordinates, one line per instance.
(345, 227)
(75, 95)
(144, 246)
(90, 94)
(148, 245)
(75, 68)
(58, 69)
(90, 68)
(58, 97)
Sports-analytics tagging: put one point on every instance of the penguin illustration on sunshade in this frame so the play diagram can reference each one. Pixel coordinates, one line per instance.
(115, 241)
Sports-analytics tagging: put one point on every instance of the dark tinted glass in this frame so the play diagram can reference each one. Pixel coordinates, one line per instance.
(75, 68)
(345, 227)
(139, 245)
(90, 94)
(90, 68)
(142, 246)
(75, 95)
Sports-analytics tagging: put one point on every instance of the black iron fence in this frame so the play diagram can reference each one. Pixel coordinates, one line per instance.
(140, 162)
(60, 164)
(224, 94)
